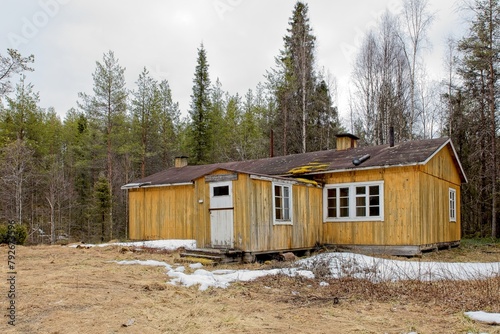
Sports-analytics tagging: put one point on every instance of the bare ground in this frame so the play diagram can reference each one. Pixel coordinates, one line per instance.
(69, 290)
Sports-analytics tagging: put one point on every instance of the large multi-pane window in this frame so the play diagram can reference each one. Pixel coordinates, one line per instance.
(453, 205)
(354, 201)
(282, 194)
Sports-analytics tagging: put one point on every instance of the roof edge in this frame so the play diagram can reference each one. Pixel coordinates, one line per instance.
(149, 185)
(455, 157)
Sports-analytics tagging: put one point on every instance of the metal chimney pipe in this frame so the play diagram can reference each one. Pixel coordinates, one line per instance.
(391, 136)
(271, 144)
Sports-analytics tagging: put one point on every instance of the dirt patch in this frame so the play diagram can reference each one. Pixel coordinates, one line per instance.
(68, 290)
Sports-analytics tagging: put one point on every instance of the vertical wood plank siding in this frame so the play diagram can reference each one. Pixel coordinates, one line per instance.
(437, 177)
(416, 208)
(258, 233)
(175, 212)
(163, 213)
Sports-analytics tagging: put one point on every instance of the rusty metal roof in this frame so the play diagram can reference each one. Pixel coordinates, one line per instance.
(401, 154)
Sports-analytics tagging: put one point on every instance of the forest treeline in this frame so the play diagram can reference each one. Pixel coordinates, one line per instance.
(63, 178)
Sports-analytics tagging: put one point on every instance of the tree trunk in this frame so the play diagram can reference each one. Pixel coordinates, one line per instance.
(304, 82)
(52, 222)
(110, 180)
(492, 105)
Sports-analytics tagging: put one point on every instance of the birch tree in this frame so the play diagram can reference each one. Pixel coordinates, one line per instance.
(416, 22)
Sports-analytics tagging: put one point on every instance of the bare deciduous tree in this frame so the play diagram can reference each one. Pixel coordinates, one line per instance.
(416, 21)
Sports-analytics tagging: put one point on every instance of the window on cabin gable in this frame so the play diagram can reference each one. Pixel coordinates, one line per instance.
(282, 205)
(453, 204)
(354, 202)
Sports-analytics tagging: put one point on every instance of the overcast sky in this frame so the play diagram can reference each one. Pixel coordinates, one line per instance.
(241, 38)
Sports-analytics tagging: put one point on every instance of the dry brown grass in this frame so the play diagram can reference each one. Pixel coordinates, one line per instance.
(67, 290)
(455, 296)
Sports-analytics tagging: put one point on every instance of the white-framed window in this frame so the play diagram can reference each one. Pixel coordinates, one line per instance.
(282, 203)
(361, 201)
(453, 204)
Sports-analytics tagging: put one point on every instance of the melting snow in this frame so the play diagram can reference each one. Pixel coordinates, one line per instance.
(378, 270)
(172, 244)
(490, 318)
(336, 265)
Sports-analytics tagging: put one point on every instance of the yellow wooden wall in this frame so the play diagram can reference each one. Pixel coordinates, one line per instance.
(415, 210)
(415, 206)
(401, 189)
(182, 212)
(253, 216)
(254, 229)
(164, 213)
(437, 177)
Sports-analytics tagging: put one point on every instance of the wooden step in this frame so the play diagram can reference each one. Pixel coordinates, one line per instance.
(203, 256)
(213, 254)
(205, 251)
(203, 261)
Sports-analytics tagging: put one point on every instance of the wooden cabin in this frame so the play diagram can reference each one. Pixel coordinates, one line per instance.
(397, 199)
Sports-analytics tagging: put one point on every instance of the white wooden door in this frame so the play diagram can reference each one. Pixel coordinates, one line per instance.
(221, 214)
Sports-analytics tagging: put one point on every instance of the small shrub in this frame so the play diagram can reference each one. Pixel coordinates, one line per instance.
(16, 235)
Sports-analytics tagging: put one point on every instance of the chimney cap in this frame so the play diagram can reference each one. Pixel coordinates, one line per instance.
(349, 135)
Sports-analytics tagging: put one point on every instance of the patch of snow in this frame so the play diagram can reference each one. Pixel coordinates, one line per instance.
(222, 278)
(490, 318)
(216, 278)
(195, 265)
(180, 269)
(171, 244)
(338, 265)
(378, 270)
(153, 263)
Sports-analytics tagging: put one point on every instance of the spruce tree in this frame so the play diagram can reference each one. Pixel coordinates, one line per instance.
(200, 131)
(296, 86)
(299, 47)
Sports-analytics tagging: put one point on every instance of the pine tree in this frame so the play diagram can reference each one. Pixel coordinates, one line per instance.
(21, 117)
(11, 64)
(145, 105)
(478, 69)
(106, 109)
(168, 120)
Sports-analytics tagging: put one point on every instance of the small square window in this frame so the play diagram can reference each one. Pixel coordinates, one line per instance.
(221, 191)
